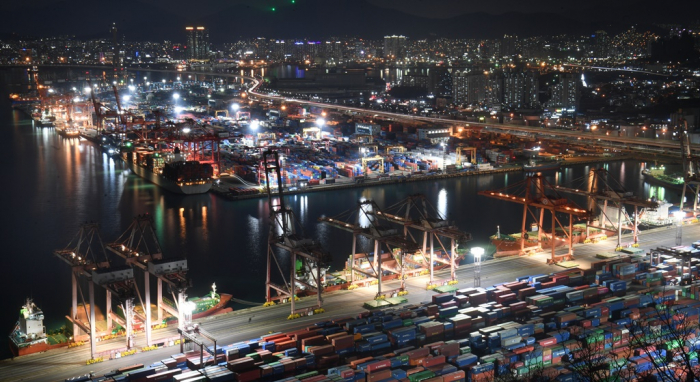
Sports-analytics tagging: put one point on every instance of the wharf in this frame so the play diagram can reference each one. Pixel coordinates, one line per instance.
(347, 183)
(64, 363)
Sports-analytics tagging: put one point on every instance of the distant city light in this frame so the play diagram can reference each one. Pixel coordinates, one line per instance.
(254, 124)
(126, 98)
(320, 122)
(235, 107)
(176, 96)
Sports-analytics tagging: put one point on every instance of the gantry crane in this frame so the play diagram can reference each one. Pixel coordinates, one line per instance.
(139, 246)
(458, 153)
(315, 132)
(368, 149)
(596, 188)
(691, 168)
(364, 138)
(287, 235)
(97, 106)
(416, 212)
(376, 158)
(363, 221)
(81, 254)
(535, 192)
(397, 149)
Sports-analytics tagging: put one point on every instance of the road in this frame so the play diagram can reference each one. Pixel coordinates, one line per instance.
(63, 363)
(627, 142)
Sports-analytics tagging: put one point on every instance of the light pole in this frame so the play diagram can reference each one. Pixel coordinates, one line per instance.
(444, 155)
(477, 252)
(679, 215)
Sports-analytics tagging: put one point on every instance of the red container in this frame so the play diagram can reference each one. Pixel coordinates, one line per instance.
(377, 366)
(433, 361)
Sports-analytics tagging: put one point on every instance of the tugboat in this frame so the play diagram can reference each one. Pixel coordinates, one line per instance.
(29, 335)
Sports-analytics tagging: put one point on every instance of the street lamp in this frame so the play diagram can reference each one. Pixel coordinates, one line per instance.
(176, 96)
(320, 122)
(235, 107)
(679, 215)
(444, 155)
(477, 252)
(254, 124)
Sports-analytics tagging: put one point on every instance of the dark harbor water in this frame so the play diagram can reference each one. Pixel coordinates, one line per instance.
(52, 185)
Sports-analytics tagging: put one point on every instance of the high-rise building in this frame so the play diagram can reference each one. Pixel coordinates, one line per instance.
(197, 43)
(565, 91)
(601, 45)
(395, 47)
(509, 46)
(459, 87)
(520, 89)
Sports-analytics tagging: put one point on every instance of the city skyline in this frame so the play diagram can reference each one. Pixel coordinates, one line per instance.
(155, 20)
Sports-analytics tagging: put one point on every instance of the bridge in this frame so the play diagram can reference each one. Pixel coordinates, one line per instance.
(618, 142)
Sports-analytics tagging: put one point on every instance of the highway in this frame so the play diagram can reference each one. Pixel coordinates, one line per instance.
(63, 363)
(629, 143)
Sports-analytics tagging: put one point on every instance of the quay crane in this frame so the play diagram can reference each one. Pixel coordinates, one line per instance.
(416, 212)
(534, 192)
(139, 246)
(691, 168)
(286, 234)
(596, 188)
(81, 255)
(362, 221)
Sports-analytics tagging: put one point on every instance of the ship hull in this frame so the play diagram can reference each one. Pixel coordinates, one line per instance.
(167, 183)
(215, 309)
(543, 167)
(31, 349)
(224, 300)
(659, 182)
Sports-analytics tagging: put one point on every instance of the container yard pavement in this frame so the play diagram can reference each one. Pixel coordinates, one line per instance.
(64, 363)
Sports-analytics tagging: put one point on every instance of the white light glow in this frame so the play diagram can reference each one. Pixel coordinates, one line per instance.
(186, 130)
(235, 107)
(320, 122)
(254, 124)
(176, 96)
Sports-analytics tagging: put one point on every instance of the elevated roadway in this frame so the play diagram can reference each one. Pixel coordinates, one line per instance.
(623, 143)
(228, 328)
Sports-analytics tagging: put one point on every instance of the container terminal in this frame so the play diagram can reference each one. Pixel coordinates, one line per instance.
(543, 303)
(398, 260)
(597, 277)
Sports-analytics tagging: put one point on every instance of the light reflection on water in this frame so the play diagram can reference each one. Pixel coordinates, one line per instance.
(57, 184)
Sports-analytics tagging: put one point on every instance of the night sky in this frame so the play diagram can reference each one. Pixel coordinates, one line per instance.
(229, 20)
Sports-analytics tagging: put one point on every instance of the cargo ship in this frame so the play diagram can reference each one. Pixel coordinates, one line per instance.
(29, 335)
(534, 166)
(209, 305)
(168, 170)
(510, 244)
(657, 176)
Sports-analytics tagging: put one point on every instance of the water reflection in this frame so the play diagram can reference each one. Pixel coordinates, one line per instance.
(442, 203)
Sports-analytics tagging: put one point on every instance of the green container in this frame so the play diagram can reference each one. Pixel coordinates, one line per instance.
(420, 376)
(255, 356)
(407, 322)
(307, 375)
(465, 350)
